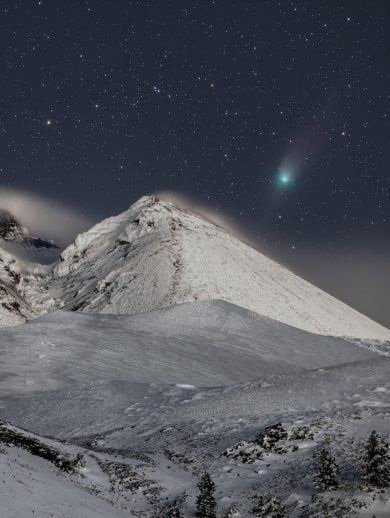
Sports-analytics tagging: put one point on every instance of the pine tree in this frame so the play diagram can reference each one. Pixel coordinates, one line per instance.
(268, 507)
(376, 461)
(325, 478)
(205, 504)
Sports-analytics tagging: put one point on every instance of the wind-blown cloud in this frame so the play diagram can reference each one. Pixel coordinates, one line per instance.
(44, 217)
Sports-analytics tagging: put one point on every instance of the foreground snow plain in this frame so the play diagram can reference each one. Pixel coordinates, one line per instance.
(152, 400)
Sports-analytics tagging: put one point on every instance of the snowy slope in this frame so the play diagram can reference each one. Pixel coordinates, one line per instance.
(48, 478)
(32, 487)
(83, 366)
(23, 294)
(23, 291)
(156, 255)
(151, 400)
(15, 307)
(121, 390)
(168, 435)
(337, 387)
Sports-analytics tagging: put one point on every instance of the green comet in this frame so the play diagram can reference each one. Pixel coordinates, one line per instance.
(285, 178)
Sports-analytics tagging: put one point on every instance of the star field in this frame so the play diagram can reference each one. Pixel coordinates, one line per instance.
(274, 112)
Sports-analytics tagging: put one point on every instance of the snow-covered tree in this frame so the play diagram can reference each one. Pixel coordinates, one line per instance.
(233, 512)
(206, 506)
(325, 478)
(326, 506)
(268, 507)
(174, 512)
(376, 461)
(79, 461)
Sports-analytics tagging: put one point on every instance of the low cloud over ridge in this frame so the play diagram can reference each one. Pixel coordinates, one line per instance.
(44, 217)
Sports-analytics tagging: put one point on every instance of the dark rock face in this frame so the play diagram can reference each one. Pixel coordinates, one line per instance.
(10, 228)
(39, 243)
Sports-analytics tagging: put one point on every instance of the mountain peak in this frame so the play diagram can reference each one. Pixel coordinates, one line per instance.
(158, 254)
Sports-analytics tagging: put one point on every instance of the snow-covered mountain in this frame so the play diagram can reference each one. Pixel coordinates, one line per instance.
(115, 408)
(22, 259)
(157, 254)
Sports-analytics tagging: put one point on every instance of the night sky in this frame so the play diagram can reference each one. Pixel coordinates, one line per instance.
(274, 113)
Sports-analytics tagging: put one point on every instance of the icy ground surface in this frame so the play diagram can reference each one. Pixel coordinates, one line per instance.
(149, 401)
